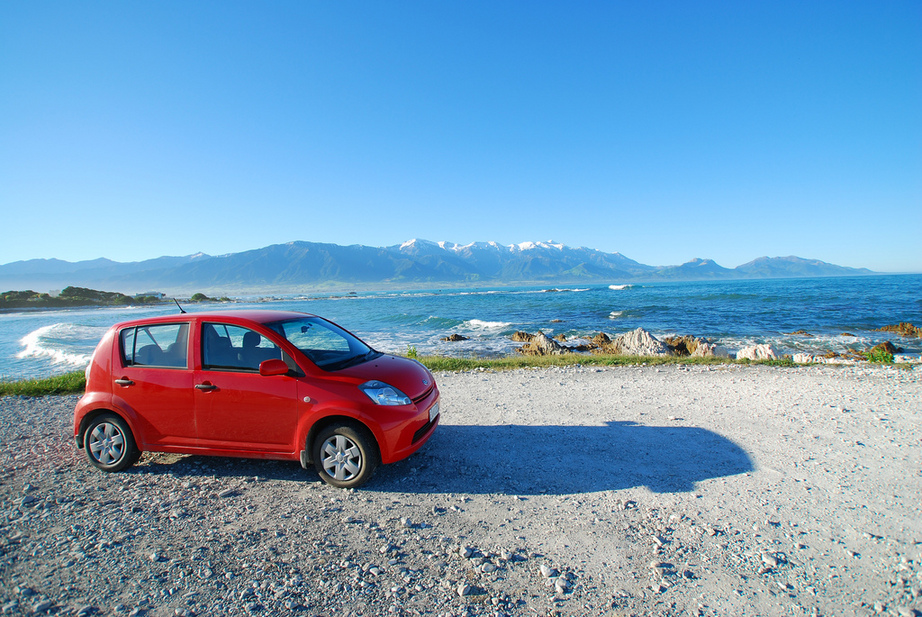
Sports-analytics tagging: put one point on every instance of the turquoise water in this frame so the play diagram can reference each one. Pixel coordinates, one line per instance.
(733, 314)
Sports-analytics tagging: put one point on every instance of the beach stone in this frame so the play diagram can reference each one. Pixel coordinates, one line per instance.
(638, 342)
(709, 350)
(758, 352)
(542, 345)
(547, 571)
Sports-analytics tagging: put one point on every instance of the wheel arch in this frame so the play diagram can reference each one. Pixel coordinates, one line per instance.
(95, 413)
(326, 421)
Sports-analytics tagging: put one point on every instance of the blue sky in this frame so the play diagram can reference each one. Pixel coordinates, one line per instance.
(661, 130)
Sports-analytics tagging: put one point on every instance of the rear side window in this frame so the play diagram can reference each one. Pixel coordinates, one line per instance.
(163, 345)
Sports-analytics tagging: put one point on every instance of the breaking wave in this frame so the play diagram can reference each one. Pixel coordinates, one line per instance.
(62, 343)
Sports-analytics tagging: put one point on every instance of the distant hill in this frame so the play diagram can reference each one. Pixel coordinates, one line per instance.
(308, 265)
(794, 267)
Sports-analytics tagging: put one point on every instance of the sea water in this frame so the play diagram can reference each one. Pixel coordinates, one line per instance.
(839, 314)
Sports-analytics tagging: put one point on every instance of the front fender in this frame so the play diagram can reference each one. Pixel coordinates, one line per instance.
(320, 416)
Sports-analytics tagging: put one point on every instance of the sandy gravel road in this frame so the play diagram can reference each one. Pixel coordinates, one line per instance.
(725, 490)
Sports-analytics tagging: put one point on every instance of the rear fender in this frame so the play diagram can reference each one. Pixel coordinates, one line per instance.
(92, 405)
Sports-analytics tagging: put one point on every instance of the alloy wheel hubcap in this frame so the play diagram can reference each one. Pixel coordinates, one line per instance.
(107, 444)
(342, 458)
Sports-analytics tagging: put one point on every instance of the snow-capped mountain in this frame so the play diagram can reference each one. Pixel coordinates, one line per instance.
(299, 265)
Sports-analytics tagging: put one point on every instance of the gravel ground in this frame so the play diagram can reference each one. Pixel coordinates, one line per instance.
(731, 490)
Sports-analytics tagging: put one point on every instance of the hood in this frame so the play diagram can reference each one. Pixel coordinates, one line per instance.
(408, 376)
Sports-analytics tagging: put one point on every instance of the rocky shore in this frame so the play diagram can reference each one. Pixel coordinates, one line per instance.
(674, 490)
(641, 343)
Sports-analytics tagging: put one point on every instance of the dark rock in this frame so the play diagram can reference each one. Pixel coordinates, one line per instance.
(886, 346)
(542, 345)
(903, 329)
(683, 345)
(599, 341)
(452, 338)
(799, 333)
(561, 337)
(522, 337)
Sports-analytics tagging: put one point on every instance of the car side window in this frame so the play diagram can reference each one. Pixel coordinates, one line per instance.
(228, 347)
(160, 345)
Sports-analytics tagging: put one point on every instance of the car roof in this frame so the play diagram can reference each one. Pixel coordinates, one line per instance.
(261, 316)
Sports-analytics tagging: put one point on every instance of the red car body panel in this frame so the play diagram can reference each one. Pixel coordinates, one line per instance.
(244, 414)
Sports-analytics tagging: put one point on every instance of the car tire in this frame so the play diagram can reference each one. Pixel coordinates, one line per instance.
(345, 455)
(109, 444)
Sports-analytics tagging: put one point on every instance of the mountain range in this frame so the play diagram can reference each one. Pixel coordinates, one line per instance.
(299, 266)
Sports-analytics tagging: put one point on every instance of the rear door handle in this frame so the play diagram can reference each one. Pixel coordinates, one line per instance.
(205, 387)
(124, 382)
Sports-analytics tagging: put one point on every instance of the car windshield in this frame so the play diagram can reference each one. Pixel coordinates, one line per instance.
(326, 344)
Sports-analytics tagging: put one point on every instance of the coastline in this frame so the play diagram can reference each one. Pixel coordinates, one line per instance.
(814, 319)
(677, 490)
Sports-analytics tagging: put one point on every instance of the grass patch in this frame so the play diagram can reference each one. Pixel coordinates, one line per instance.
(507, 363)
(69, 383)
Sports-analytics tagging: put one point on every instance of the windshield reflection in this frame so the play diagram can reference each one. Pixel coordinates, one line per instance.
(327, 345)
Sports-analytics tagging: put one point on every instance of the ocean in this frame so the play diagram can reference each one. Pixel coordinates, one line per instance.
(838, 313)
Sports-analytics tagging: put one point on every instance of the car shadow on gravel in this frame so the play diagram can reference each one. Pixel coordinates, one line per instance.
(516, 460)
(530, 460)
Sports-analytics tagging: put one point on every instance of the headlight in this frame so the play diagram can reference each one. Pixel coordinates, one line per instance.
(383, 394)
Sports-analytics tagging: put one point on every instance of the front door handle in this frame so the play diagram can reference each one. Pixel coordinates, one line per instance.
(205, 387)
(124, 382)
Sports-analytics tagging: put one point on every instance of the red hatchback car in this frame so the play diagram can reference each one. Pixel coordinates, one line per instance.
(253, 384)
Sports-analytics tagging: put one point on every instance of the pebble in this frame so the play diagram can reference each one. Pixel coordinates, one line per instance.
(283, 546)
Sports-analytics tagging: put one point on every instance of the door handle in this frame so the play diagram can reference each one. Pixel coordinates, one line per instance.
(124, 382)
(205, 387)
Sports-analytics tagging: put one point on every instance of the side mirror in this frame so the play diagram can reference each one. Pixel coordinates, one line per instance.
(268, 368)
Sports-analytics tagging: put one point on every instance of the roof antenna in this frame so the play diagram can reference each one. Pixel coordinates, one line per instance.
(180, 308)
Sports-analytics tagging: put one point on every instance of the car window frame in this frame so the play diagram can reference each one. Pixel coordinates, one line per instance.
(283, 355)
(132, 363)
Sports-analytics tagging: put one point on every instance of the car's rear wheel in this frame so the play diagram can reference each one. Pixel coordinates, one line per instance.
(109, 444)
(345, 455)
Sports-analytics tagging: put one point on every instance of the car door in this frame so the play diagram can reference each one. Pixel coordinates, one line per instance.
(236, 408)
(153, 380)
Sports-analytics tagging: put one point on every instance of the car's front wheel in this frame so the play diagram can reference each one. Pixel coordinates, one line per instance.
(345, 455)
(109, 444)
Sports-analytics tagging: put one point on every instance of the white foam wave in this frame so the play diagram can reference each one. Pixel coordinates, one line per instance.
(615, 314)
(479, 324)
(619, 287)
(62, 343)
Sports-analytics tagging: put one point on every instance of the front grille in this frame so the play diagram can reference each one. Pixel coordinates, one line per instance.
(423, 396)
